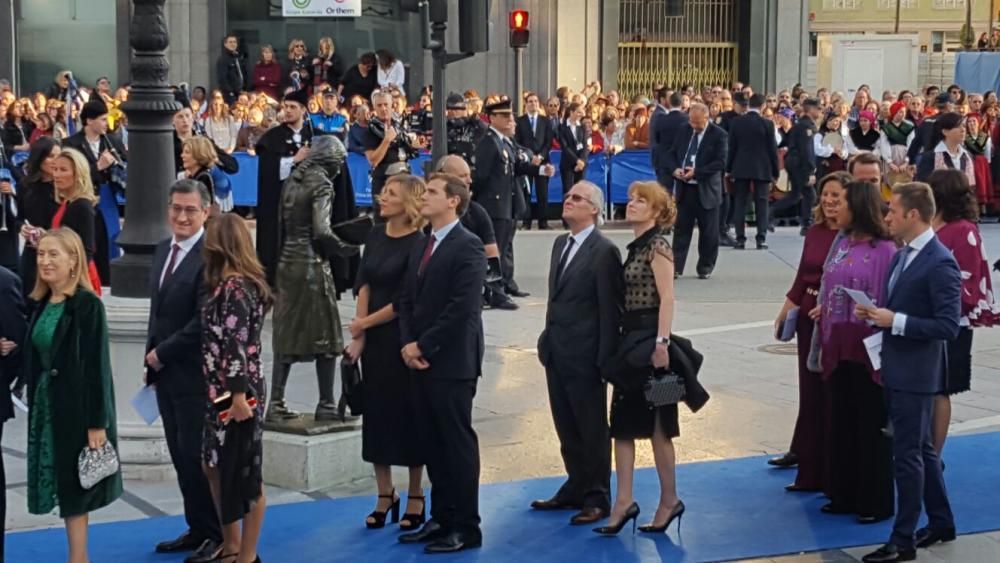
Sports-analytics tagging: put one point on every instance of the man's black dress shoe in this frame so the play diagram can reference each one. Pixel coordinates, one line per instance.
(544, 227)
(793, 488)
(505, 305)
(553, 504)
(183, 542)
(927, 537)
(207, 553)
(761, 245)
(588, 515)
(888, 553)
(704, 275)
(830, 508)
(517, 293)
(868, 519)
(454, 542)
(784, 461)
(740, 246)
(429, 532)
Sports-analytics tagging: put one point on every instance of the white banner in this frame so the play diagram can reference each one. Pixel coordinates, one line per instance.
(321, 8)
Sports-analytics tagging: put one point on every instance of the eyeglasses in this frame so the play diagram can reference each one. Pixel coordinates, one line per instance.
(178, 210)
(576, 198)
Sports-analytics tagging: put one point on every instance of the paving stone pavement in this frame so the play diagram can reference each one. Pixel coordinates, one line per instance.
(752, 381)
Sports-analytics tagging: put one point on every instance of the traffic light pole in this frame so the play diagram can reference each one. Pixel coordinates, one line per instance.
(435, 42)
(519, 78)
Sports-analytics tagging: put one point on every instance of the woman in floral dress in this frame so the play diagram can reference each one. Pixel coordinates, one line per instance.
(232, 322)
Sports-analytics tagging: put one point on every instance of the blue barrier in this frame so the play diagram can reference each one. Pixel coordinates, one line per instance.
(244, 182)
(628, 167)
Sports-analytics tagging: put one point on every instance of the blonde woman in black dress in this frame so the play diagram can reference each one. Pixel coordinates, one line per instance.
(649, 306)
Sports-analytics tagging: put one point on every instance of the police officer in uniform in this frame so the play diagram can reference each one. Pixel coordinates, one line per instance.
(464, 131)
(800, 163)
(493, 177)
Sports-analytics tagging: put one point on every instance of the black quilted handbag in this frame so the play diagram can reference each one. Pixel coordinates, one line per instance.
(664, 388)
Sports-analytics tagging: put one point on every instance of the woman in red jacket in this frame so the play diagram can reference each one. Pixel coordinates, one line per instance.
(267, 73)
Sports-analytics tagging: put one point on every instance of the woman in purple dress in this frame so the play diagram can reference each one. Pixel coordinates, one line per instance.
(808, 447)
(232, 322)
(860, 452)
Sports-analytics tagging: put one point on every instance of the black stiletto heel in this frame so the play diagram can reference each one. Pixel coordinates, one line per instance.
(414, 521)
(631, 514)
(379, 517)
(677, 512)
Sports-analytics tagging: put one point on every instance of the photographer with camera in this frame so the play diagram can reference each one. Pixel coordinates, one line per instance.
(386, 143)
(464, 131)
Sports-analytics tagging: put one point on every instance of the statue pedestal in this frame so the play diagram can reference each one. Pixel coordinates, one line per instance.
(306, 455)
(141, 447)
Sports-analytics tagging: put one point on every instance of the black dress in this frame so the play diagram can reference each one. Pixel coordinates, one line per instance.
(36, 204)
(631, 415)
(388, 435)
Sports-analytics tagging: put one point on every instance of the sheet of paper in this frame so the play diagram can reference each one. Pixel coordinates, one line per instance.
(18, 403)
(285, 168)
(873, 344)
(859, 297)
(145, 404)
(788, 329)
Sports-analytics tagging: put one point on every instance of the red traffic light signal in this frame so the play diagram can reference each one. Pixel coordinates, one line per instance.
(519, 20)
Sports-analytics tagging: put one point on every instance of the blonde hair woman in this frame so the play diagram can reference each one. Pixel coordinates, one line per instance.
(388, 441)
(71, 392)
(198, 157)
(220, 126)
(75, 196)
(297, 70)
(328, 67)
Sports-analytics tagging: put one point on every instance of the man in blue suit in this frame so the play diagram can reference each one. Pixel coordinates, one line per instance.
(920, 315)
(664, 126)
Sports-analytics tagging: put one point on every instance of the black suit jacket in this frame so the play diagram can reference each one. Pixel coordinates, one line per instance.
(584, 310)
(709, 162)
(79, 142)
(663, 129)
(13, 327)
(574, 146)
(753, 149)
(538, 142)
(175, 322)
(493, 178)
(441, 308)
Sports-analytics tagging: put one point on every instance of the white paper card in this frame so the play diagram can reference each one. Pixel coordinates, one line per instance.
(873, 344)
(145, 404)
(859, 297)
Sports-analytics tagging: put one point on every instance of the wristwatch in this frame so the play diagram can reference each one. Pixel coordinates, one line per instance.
(665, 340)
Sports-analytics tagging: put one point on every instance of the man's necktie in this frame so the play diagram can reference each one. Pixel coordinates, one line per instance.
(427, 255)
(533, 121)
(564, 259)
(904, 253)
(171, 264)
(692, 151)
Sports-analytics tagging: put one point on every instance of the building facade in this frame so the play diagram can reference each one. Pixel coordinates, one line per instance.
(631, 44)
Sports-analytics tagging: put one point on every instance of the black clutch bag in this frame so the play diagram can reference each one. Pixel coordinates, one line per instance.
(352, 386)
(665, 388)
(354, 231)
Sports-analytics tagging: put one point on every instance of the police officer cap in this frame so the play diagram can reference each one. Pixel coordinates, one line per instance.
(503, 106)
(455, 101)
(300, 97)
(810, 103)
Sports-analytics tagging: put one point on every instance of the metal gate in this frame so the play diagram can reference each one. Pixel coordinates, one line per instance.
(698, 47)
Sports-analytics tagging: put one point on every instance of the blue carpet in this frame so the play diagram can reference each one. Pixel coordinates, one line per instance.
(736, 509)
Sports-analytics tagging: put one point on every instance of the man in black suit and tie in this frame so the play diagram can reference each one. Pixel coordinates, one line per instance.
(581, 333)
(535, 133)
(697, 163)
(753, 165)
(493, 183)
(13, 331)
(173, 363)
(440, 325)
(666, 122)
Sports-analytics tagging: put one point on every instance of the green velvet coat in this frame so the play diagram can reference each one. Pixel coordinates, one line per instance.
(83, 397)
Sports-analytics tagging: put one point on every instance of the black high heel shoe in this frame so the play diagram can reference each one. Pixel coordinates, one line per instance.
(677, 512)
(414, 521)
(632, 513)
(379, 516)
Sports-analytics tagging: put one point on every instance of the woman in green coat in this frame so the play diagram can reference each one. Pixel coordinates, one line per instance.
(72, 398)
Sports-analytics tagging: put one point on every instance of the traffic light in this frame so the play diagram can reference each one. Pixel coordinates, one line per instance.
(474, 26)
(519, 34)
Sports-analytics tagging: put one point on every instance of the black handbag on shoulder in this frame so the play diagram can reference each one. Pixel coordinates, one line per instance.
(664, 388)
(352, 386)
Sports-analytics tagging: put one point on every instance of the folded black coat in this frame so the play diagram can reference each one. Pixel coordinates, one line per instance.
(630, 367)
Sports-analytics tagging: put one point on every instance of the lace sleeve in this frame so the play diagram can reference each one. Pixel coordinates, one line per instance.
(660, 245)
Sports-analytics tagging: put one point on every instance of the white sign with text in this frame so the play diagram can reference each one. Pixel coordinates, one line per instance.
(321, 8)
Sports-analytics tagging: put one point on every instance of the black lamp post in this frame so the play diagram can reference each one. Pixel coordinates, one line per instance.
(150, 109)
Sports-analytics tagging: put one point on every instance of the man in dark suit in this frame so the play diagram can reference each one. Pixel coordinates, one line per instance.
(753, 165)
(920, 316)
(94, 142)
(666, 122)
(535, 132)
(923, 133)
(173, 363)
(697, 163)
(800, 164)
(493, 183)
(13, 331)
(440, 325)
(581, 333)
